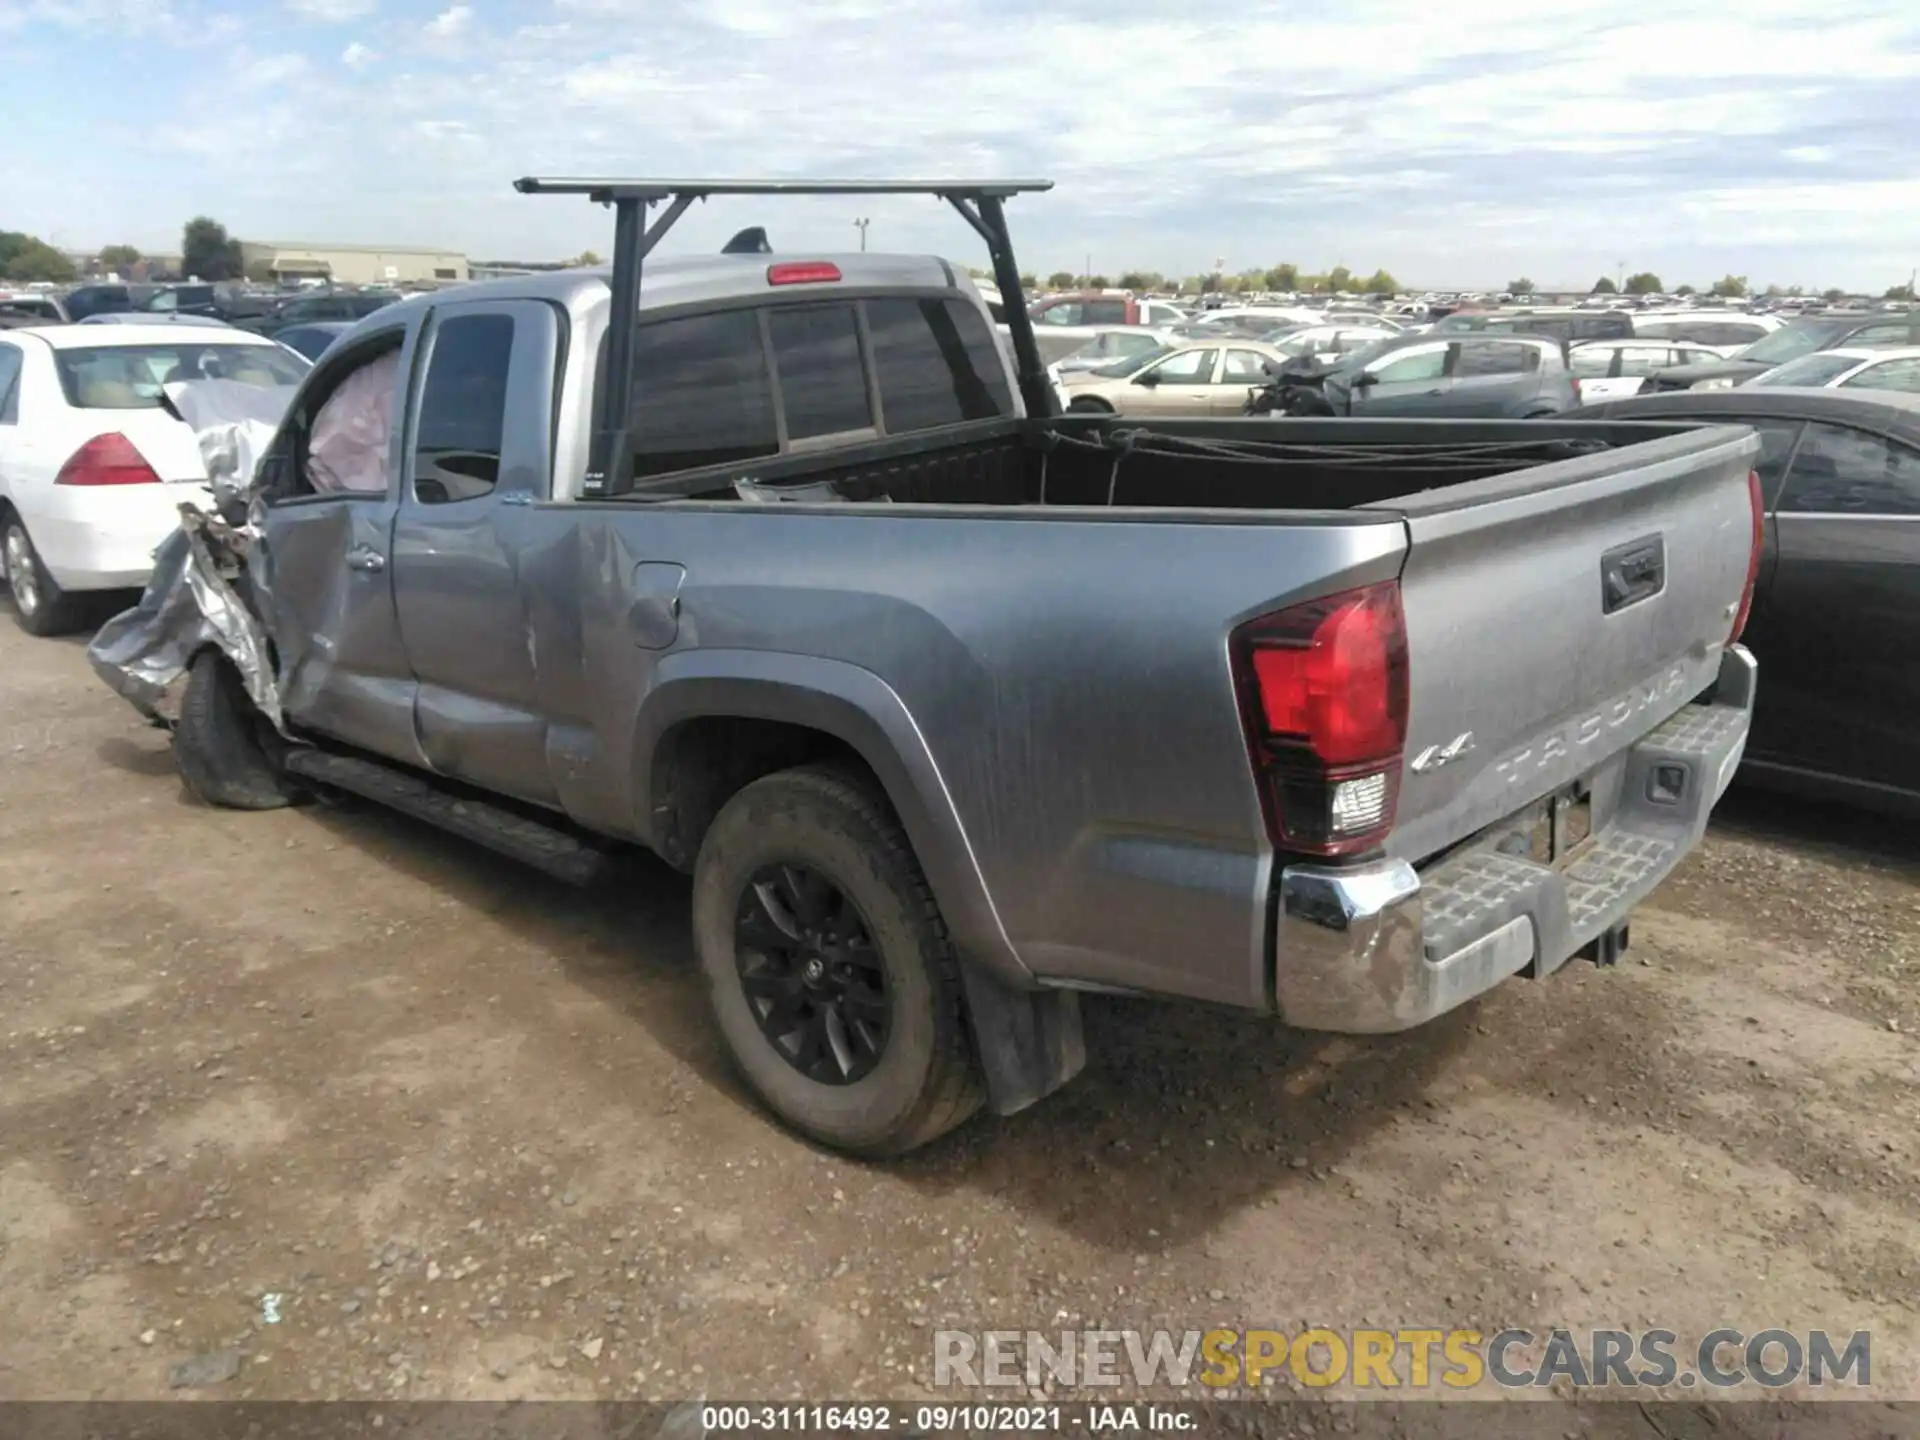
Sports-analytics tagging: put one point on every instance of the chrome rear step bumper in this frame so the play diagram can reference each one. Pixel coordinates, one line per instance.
(1380, 947)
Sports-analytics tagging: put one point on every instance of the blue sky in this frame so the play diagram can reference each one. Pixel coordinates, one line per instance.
(1457, 143)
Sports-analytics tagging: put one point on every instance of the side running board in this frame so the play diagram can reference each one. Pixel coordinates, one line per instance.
(545, 847)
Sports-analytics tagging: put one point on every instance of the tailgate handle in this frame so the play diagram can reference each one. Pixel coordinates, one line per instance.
(1632, 572)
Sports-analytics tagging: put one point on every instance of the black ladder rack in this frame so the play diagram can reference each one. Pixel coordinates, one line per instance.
(981, 204)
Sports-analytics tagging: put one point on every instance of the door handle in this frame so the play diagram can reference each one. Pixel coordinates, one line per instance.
(363, 558)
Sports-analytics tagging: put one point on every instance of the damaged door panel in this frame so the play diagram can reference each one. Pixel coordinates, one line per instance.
(480, 453)
(324, 574)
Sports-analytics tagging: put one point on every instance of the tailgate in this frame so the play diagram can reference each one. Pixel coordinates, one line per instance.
(1556, 615)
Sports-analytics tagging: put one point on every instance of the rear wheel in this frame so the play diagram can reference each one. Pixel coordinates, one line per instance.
(828, 965)
(40, 605)
(227, 752)
(1090, 406)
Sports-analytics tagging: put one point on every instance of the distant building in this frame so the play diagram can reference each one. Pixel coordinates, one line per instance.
(353, 264)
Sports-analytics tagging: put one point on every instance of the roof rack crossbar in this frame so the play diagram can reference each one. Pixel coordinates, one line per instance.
(980, 202)
(607, 189)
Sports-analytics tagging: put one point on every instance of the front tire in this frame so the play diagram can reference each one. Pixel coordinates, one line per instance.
(39, 604)
(832, 979)
(1090, 406)
(226, 751)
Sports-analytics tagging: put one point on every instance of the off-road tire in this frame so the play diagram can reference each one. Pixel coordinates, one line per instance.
(226, 751)
(834, 822)
(53, 611)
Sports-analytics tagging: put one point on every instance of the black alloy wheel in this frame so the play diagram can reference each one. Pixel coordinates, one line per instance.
(813, 978)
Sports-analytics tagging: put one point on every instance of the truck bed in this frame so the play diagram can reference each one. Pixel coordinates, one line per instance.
(1285, 466)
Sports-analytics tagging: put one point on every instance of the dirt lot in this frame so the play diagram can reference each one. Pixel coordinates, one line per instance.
(474, 1133)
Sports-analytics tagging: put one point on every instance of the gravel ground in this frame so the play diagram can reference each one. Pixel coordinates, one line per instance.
(457, 1131)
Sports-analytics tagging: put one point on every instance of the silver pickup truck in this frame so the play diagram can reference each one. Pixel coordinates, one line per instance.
(954, 707)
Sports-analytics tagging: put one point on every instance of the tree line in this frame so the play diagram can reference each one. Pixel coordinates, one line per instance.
(207, 253)
(1727, 287)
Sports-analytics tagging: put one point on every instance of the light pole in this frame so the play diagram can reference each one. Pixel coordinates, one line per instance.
(861, 225)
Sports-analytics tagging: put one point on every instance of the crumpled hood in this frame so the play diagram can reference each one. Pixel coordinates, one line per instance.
(190, 602)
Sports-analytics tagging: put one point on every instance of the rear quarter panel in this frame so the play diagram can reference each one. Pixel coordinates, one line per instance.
(1067, 676)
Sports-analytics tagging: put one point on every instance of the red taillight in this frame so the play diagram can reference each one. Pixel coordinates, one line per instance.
(802, 272)
(108, 459)
(1324, 688)
(1758, 503)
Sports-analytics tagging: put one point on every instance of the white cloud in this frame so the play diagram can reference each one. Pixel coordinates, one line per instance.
(450, 22)
(332, 12)
(454, 130)
(264, 71)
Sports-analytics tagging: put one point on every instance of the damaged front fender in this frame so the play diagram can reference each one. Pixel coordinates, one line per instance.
(195, 598)
(190, 603)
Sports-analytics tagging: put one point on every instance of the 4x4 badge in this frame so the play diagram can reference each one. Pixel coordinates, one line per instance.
(1434, 756)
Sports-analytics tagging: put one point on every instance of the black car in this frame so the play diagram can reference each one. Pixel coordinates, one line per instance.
(1799, 337)
(1836, 614)
(346, 305)
(192, 298)
(1465, 375)
(312, 340)
(85, 300)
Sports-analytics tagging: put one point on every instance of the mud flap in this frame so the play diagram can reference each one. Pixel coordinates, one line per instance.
(1029, 1041)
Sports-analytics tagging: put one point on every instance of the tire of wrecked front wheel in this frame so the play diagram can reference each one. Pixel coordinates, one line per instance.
(218, 742)
(927, 1082)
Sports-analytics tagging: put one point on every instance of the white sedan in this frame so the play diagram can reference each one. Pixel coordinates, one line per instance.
(1851, 368)
(1615, 369)
(92, 469)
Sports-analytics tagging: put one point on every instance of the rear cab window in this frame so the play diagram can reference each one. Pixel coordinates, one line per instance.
(820, 377)
(755, 382)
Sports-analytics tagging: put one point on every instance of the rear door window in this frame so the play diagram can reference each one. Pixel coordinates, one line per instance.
(1105, 312)
(463, 410)
(937, 364)
(816, 358)
(1839, 471)
(10, 363)
(1897, 333)
(1496, 357)
(1594, 362)
(1189, 367)
(1420, 365)
(702, 395)
(1244, 367)
(1887, 375)
(1644, 359)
